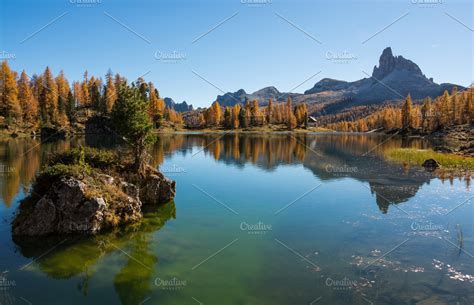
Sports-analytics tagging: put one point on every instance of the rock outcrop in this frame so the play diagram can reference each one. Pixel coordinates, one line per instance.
(156, 188)
(389, 63)
(68, 198)
(68, 208)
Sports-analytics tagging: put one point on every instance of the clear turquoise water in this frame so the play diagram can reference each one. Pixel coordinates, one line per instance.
(311, 219)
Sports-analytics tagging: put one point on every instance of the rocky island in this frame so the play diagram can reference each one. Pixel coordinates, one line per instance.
(88, 191)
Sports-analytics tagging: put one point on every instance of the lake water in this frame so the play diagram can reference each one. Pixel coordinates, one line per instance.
(257, 219)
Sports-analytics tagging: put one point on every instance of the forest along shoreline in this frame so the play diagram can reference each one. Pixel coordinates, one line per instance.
(88, 191)
(50, 108)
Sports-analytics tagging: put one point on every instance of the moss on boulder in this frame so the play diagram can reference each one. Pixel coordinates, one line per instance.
(87, 191)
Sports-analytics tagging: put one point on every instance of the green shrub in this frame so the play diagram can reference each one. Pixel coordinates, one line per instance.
(96, 158)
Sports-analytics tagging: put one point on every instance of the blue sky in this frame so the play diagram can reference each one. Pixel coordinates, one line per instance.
(273, 43)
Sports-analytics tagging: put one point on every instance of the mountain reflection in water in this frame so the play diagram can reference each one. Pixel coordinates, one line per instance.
(333, 227)
(328, 156)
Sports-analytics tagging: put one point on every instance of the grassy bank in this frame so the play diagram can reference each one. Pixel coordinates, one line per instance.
(11, 134)
(418, 156)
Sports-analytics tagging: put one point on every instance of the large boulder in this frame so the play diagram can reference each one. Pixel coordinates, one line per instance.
(72, 206)
(155, 188)
(430, 164)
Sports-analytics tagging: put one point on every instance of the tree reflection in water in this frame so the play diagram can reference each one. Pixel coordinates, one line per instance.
(328, 156)
(78, 255)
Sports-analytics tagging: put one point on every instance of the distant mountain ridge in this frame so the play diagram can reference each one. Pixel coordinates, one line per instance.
(262, 96)
(179, 107)
(393, 79)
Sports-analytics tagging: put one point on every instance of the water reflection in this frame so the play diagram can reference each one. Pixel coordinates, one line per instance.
(73, 256)
(20, 160)
(328, 156)
(123, 264)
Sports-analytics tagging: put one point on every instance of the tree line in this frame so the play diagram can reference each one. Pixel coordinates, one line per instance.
(428, 116)
(46, 100)
(250, 115)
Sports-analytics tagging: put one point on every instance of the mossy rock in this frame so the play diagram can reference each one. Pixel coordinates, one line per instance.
(55, 172)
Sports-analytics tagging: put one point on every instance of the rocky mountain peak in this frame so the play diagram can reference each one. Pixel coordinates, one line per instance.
(327, 84)
(180, 107)
(397, 77)
(389, 63)
(267, 91)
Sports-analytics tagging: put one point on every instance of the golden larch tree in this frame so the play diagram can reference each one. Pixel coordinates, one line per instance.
(48, 101)
(62, 98)
(9, 105)
(407, 113)
(217, 113)
(270, 111)
(157, 105)
(235, 116)
(29, 105)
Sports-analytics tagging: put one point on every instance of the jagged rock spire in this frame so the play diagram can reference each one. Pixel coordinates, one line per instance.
(389, 63)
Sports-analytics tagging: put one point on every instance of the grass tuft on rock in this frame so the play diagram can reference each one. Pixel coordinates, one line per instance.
(101, 159)
(54, 172)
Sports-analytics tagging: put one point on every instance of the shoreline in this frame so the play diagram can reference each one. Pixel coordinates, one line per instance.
(262, 130)
(315, 130)
(167, 130)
